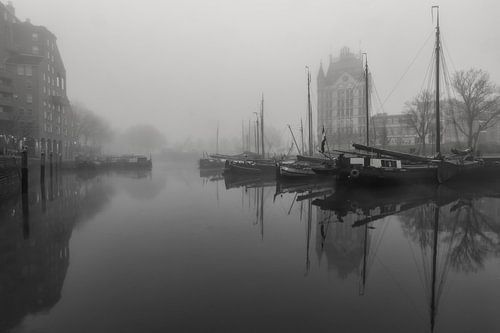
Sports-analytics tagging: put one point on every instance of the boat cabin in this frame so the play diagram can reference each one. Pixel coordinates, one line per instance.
(379, 163)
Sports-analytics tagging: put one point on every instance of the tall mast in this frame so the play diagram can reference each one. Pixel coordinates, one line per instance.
(217, 140)
(249, 135)
(242, 135)
(302, 136)
(257, 146)
(296, 145)
(262, 126)
(438, 51)
(309, 111)
(367, 102)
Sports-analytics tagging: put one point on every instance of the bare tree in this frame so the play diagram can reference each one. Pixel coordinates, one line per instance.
(420, 116)
(479, 104)
(90, 128)
(144, 138)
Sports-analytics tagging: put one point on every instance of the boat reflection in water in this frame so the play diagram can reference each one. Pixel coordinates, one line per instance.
(454, 229)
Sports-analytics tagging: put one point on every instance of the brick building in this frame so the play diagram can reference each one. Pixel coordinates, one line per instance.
(34, 107)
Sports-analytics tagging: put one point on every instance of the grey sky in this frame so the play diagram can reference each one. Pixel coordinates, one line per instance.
(183, 65)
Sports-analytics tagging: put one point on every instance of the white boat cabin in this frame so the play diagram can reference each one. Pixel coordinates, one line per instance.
(380, 163)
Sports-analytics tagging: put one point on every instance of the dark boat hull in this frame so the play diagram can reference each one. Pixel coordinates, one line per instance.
(250, 168)
(381, 177)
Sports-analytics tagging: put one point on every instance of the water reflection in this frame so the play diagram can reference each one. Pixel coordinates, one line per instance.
(455, 228)
(263, 255)
(35, 234)
(447, 228)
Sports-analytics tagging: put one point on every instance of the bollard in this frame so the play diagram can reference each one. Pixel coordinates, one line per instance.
(24, 171)
(42, 167)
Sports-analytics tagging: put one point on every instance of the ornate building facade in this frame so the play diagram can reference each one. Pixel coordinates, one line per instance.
(341, 100)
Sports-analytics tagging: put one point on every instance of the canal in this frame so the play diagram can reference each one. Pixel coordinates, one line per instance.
(176, 250)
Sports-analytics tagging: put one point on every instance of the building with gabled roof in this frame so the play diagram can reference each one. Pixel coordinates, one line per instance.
(341, 101)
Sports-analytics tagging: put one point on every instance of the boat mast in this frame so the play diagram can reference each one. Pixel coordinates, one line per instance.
(302, 136)
(257, 135)
(262, 125)
(217, 140)
(438, 124)
(366, 102)
(249, 135)
(309, 111)
(293, 137)
(242, 135)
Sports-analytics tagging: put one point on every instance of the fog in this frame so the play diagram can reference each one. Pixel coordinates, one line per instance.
(183, 66)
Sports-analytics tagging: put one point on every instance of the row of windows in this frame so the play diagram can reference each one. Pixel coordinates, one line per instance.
(49, 116)
(57, 81)
(25, 70)
(53, 107)
(35, 37)
(49, 128)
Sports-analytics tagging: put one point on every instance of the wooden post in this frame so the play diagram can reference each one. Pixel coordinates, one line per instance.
(42, 167)
(26, 215)
(51, 162)
(24, 171)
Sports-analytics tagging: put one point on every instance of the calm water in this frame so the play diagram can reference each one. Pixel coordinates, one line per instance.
(172, 251)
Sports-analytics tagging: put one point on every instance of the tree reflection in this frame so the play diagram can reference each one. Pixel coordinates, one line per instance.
(468, 229)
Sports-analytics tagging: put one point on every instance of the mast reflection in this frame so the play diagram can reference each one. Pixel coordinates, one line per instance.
(455, 228)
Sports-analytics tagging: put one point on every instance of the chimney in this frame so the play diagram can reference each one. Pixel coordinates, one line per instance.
(10, 8)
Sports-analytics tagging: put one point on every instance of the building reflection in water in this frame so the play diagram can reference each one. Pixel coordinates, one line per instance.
(34, 238)
(448, 227)
(454, 228)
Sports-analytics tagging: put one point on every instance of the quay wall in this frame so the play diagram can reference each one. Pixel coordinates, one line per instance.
(10, 175)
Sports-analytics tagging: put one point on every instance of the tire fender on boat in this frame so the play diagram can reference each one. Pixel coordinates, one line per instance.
(354, 173)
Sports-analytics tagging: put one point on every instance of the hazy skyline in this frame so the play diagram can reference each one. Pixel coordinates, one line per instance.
(184, 65)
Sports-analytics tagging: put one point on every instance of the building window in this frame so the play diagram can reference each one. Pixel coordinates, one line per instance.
(34, 36)
(29, 98)
(20, 70)
(28, 70)
(35, 49)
